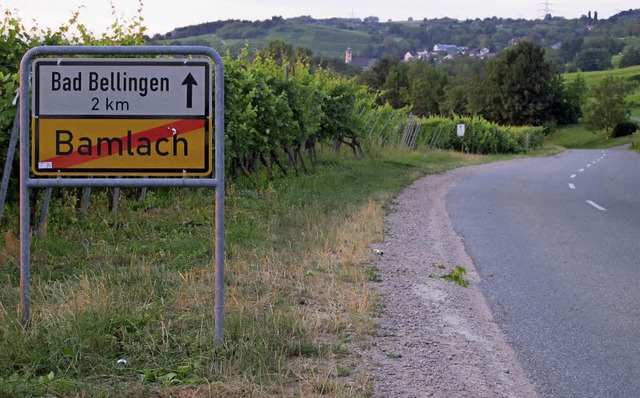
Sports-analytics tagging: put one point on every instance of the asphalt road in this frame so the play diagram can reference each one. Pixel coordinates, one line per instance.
(556, 242)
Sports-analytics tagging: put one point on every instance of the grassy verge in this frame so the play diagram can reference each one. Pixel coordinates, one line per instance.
(122, 304)
(576, 137)
(635, 143)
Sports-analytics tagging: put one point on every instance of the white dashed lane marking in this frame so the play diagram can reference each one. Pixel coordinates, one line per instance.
(597, 206)
(573, 176)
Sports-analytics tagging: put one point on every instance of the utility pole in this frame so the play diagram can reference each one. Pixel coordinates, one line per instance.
(546, 8)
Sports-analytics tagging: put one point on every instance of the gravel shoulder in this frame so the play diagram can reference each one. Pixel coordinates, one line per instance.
(435, 337)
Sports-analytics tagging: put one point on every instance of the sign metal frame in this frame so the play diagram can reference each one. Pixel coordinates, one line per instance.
(216, 180)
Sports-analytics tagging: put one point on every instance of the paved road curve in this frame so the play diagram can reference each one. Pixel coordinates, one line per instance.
(557, 243)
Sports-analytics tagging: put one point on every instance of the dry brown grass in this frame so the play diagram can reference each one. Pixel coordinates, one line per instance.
(325, 287)
(10, 253)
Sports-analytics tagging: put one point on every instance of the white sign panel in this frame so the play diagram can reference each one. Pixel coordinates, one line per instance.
(122, 87)
(460, 130)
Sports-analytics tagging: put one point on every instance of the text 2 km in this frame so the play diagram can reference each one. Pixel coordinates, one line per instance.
(109, 105)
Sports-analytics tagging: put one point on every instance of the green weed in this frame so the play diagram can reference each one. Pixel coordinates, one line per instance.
(373, 274)
(456, 275)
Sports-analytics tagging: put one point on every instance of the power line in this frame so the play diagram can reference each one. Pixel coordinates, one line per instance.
(546, 8)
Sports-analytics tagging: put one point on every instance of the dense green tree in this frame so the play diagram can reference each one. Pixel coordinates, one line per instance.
(593, 59)
(462, 67)
(630, 57)
(420, 34)
(596, 53)
(633, 28)
(279, 50)
(371, 20)
(456, 99)
(395, 28)
(613, 45)
(240, 30)
(335, 64)
(376, 76)
(303, 54)
(391, 46)
(607, 106)
(555, 57)
(283, 52)
(396, 90)
(463, 72)
(519, 87)
(426, 88)
(570, 47)
(568, 102)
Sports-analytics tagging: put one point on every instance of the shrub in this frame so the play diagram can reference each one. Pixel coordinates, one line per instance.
(635, 143)
(634, 78)
(625, 128)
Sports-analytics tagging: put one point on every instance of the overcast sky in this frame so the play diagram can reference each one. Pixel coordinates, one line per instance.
(161, 16)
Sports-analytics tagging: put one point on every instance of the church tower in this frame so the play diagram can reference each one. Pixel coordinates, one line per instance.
(348, 57)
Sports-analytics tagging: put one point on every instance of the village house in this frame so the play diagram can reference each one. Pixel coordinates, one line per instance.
(515, 40)
(481, 53)
(448, 48)
(410, 55)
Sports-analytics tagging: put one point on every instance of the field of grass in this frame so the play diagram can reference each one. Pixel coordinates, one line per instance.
(593, 78)
(122, 304)
(577, 137)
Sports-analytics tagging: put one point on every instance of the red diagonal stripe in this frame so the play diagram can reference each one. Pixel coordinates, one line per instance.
(153, 134)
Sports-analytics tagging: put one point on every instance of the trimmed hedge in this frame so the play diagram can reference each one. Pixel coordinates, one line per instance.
(481, 136)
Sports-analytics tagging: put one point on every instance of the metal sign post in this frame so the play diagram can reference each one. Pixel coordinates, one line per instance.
(137, 117)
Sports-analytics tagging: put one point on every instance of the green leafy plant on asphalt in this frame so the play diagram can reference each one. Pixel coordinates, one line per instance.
(456, 275)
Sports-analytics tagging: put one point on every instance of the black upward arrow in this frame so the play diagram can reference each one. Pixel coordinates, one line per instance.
(189, 81)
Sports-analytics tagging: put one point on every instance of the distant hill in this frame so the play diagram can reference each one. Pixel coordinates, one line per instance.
(372, 38)
(326, 39)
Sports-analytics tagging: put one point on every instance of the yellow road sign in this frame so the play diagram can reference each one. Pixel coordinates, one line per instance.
(121, 117)
(122, 147)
